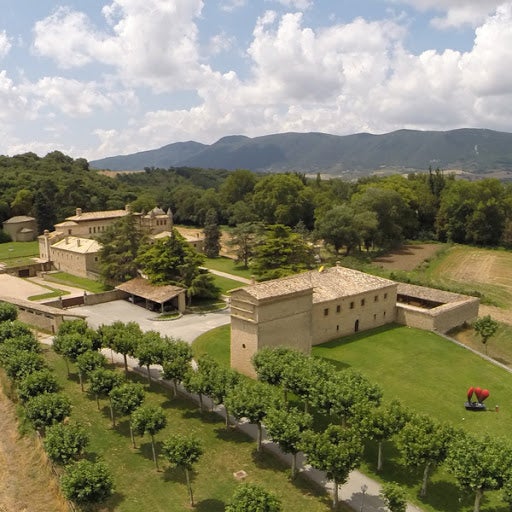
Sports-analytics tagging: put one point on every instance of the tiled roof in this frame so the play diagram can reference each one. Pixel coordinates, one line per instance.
(108, 214)
(78, 245)
(431, 294)
(19, 218)
(328, 284)
(143, 288)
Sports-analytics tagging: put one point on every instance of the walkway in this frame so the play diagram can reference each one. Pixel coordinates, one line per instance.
(233, 277)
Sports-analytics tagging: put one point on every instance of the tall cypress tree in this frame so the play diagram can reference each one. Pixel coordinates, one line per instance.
(211, 234)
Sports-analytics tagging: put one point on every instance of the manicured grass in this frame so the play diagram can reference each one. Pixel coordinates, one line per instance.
(226, 285)
(140, 487)
(79, 282)
(227, 265)
(10, 250)
(215, 343)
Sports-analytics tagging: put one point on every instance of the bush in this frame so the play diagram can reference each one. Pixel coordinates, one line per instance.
(8, 312)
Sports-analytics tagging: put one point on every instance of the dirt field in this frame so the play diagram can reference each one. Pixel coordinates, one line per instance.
(408, 257)
(26, 481)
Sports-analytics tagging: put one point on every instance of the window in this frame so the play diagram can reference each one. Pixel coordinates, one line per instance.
(376, 298)
(384, 314)
(338, 308)
(337, 327)
(374, 318)
(362, 302)
(385, 295)
(351, 305)
(326, 311)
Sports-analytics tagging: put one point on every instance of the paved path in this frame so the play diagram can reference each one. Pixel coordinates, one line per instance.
(233, 277)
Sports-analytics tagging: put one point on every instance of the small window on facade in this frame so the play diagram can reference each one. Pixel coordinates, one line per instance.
(351, 305)
(376, 298)
(384, 314)
(375, 317)
(385, 295)
(326, 311)
(90, 230)
(338, 308)
(69, 231)
(337, 327)
(362, 302)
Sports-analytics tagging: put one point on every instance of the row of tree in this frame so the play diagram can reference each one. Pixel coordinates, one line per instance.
(83, 482)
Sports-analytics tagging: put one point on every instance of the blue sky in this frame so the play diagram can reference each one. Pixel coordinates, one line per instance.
(95, 78)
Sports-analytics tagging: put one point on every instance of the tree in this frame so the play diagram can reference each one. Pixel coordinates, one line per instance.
(394, 497)
(479, 464)
(64, 443)
(336, 227)
(253, 498)
(176, 361)
(47, 409)
(286, 427)
(244, 239)
(150, 419)
(87, 362)
(271, 365)
(8, 312)
(281, 252)
(13, 329)
(122, 338)
(201, 379)
(70, 346)
(382, 423)
(119, 246)
(212, 234)
(149, 350)
(304, 377)
(184, 452)
(223, 381)
(102, 382)
(124, 399)
(19, 364)
(87, 483)
(37, 383)
(486, 327)
(337, 451)
(424, 442)
(251, 401)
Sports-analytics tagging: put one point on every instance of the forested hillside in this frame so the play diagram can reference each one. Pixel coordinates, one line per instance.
(372, 212)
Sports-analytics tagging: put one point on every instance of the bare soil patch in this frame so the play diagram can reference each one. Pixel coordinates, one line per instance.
(27, 483)
(407, 257)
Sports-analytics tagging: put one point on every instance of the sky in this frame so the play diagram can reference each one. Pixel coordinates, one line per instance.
(97, 78)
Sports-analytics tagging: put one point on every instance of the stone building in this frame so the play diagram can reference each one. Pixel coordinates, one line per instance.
(21, 228)
(318, 306)
(77, 256)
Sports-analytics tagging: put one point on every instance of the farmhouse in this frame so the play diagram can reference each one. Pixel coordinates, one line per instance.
(77, 256)
(318, 306)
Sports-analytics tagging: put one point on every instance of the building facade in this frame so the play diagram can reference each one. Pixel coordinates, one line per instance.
(21, 228)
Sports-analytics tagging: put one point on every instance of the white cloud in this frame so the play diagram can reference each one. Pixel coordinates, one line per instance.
(232, 5)
(457, 12)
(220, 43)
(13, 103)
(5, 44)
(296, 4)
(151, 43)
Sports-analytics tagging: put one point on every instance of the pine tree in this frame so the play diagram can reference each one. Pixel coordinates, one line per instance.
(211, 234)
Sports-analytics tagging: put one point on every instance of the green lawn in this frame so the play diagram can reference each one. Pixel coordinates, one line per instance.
(18, 253)
(227, 265)
(79, 282)
(226, 284)
(140, 487)
(428, 374)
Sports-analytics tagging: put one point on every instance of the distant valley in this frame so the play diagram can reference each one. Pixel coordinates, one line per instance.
(473, 152)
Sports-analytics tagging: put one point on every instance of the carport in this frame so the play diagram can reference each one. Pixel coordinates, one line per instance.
(141, 290)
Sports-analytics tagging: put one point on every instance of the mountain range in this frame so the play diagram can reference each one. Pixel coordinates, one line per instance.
(476, 151)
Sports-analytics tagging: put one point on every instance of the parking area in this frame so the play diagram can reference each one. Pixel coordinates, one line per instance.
(187, 328)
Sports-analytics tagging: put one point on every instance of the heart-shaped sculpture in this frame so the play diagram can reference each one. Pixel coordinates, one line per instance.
(483, 395)
(478, 393)
(471, 391)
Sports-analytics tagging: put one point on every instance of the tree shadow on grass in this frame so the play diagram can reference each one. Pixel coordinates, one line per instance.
(233, 435)
(204, 416)
(446, 496)
(210, 505)
(266, 460)
(113, 502)
(176, 474)
(146, 451)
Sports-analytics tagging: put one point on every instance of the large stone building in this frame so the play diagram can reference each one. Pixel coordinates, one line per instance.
(71, 247)
(318, 306)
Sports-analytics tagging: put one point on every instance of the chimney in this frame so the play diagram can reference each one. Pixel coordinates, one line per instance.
(78, 212)
(78, 242)
(67, 240)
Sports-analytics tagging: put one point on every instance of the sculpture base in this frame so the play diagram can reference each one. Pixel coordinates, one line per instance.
(474, 406)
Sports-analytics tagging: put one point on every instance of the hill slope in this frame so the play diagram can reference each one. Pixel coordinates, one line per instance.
(474, 150)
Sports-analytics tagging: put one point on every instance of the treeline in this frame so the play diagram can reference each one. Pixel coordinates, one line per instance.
(381, 211)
